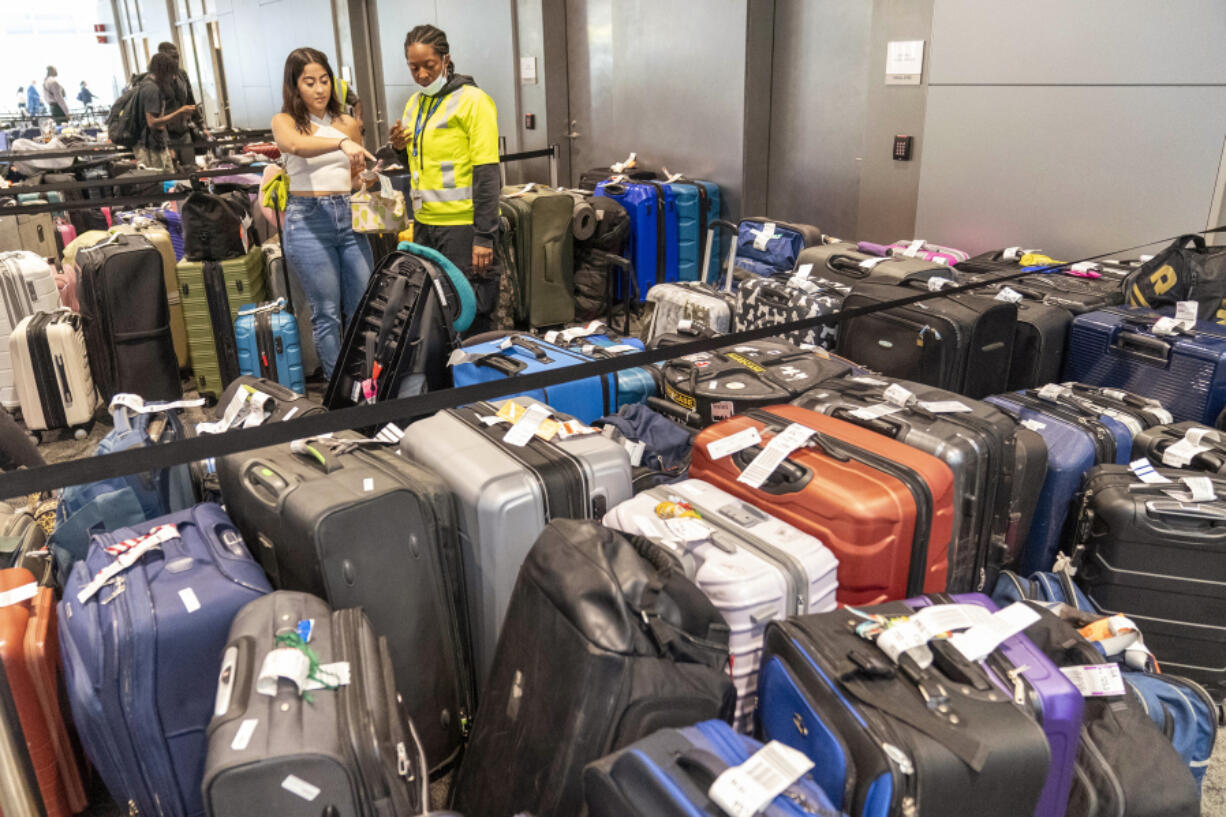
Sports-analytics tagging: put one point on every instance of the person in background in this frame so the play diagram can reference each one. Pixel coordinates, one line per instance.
(34, 102)
(86, 97)
(157, 95)
(448, 138)
(323, 157)
(55, 96)
(21, 101)
(185, 131)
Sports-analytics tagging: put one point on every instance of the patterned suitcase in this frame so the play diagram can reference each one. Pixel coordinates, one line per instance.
(770, 301)
(268, 344)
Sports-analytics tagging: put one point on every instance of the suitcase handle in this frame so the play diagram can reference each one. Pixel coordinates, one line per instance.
(319, 455)
(879, 425)
(787, 478)
(1134, 344)
(772, 297)
(1174, 509)
(501, 362)
(712, 226)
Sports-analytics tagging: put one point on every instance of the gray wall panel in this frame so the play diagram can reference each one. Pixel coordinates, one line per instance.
(1101, 169)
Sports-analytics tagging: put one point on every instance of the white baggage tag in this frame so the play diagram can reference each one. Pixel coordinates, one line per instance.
(803, 270)
(1165, 326)
(1053, 392)
(552, 335)
(913, 248)
(1198, 435)
(242, 737)
(874, 412)
(1010, 296)
(574, 428)
(1096, 680)
(976, 643)
(944, 406)
(459, 356)
(390, 434)
(898, 395)
(722, 409)
(335, 674)
(900, 638)
(872, 381)
(621, 349)
(18, 594)
(635, 450)
(296, 785)
(1011, 253)
(944, 618)
(746, 437)
(651, 527)
(188, 597)
(283, 662)
(1200, 489)
(1034, 425)
(1181, 453)
(775, 452)
(764, 235)
(688, 529)
(1185, 313)
(507, 342)
(747, 789)
(1146, 472)
(936, 283)
(523, 430)
(869, 263)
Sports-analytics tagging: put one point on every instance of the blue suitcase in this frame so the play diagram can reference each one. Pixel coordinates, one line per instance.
(141, 651)
(269, 345)
(1117, 346)
(669, 773)
(766, 247)
(652, 207)
(697, 207)
(633, 385)
(1074, 446)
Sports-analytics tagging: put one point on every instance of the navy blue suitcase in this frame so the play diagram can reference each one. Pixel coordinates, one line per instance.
(1185, 372)
(669, 773)
(652, 207)
(766, 247)
(697, 205)
(142, 625)
(269, 345)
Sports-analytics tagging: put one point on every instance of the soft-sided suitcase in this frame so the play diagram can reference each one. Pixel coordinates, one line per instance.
(1183, 445)
(884, 508)
(1152, 550)
(142, 623)
(771, 301)
(505, 494)
(752, 566)
(697, 204)
(22, 540)
(122, 294)
(284, 282)
(840, 266)
(652, 207)
(764, 246)
(1185, 371)
(276, 402)
(605, 642)
(719, 384)
(976, 440)
(1088, 287)
(1038, 342)
(212, 293)
(544, 253)
(51, 371)
(669, 774)
(962, 343)
(159, 237)
(268, 344)
(344, 750)
(888, 739)
(351, 522)
(27, 285)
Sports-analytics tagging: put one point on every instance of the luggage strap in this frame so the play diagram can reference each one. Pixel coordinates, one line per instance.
(127, 553)
(379, 348)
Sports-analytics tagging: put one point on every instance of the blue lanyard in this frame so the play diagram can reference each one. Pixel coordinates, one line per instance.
(420, 124)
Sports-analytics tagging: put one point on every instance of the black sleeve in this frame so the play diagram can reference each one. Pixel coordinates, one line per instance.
(190, 98)
(487, 184)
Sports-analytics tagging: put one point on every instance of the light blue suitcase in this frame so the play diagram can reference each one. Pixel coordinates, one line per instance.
(269, 345)
(697, 207)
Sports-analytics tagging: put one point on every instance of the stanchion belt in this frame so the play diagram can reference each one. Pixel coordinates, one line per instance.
(118, 181)
(87, 151)
(138, 460)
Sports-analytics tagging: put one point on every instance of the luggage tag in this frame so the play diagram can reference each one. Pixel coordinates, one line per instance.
(1185, 313)
(18, 594)
(459, 356)
(944, 406)
(745, 438)
(1181, 453)
(763, 236)
(869, 263)
(747, 789)
(126, 554)
(528, 423)
(1096, 680)
(976, 643)
(776, 451)
(1200, 489)
(913, 248)
(937, 283)
(1009, 296)
(1146, 472)
(1085, 269)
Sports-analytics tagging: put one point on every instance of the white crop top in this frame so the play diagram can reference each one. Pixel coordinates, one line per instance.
(326, 173)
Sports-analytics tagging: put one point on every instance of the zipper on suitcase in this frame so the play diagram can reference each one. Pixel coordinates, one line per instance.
(265, 346)
(1104, 440)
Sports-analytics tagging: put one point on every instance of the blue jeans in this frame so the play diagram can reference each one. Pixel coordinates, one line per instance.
(333, 263)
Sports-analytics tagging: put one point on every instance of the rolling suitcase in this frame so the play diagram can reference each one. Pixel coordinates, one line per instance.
(268, 345)
(976, 440)
(768, 247)
(697, 204)
(695, 305)
(1090, 287)
(126, 318)
(212, 293)
(51, 372)
(159, 237)
(884, 508)
(771, 301)
(1039, 339)
(22, 540)
(506, 494)
(633, 385)
(652, 207)
(917, 248)
(604, 643)
(889, 739)
(20, 784)
(142, 623)
(349, 521)
(753, 567)
(544, 251)
(285, 283)
(344, 750)
(669, 774)
(276, 402)
(840, 266)
(1148, 549)
(27, 285)
(1183, 445)
(1184, 370)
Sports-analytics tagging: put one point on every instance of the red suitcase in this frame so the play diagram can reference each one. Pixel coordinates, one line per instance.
(884, 508)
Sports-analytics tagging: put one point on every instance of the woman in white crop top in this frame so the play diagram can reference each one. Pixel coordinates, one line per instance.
(323, 156)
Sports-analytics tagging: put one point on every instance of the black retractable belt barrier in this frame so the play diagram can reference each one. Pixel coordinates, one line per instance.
(119, 181)
(92, 469)
(112, 151)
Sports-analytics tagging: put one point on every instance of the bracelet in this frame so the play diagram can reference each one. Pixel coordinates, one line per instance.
(341, 143)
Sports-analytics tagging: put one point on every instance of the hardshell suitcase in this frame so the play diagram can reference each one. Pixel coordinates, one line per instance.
(880, 747)
(27, 285)
(268, 344)
(884, 508)
(652, 207)
(344, 750)
(1183, 445)
(752, 566)
(142, 623)
(697, 204)
(696, 305)
(544, 252)
(604, 643)
(771, 301)
(1153, 551)
(505, 495)
(633, 385)
(353, 523)
(51, 371)
(212, 294)
(159, 237)
(1185, 371)
(284, 282)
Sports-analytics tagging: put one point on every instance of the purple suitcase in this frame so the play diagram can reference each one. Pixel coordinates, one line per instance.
(1059, 708)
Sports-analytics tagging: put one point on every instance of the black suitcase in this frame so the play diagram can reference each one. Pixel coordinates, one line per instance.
(605, 642)
(842, 265)
(962, 343)
(220, 316)
(1038, 343)
(735, 379)
(772, 301)
(1204, 451)
(935, 742)
(122, 294)
(352, 522)
(278, 402)
(1076, 293)
(1134, 410)
(1161, 560)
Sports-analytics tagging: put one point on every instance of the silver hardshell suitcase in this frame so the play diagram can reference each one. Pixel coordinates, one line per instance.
(699, 303)
(51, 371)
(753, 567)
(339, 746)
(27, 285)
(506, 494)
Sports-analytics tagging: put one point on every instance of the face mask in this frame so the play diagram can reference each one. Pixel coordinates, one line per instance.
(434, 87)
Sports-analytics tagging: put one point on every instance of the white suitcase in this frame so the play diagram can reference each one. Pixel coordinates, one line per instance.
(27, 285)
(754, 568)
(51, 371)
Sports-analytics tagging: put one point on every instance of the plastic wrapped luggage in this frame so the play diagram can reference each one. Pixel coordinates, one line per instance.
(27, 285)
(883, 508)
(917, 248)
(212, 293)
(506, 493)
(839, 265)
(51, 371)
(268, 345)
(540, 223)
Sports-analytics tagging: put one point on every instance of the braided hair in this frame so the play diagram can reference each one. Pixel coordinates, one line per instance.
(434, 37)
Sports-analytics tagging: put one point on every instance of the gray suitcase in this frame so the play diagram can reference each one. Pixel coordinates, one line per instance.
(696, 302)
(343, 752)
(283, 283)
(506, 495)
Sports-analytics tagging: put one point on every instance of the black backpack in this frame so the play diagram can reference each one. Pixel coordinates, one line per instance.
(214, 225)
(125, 121)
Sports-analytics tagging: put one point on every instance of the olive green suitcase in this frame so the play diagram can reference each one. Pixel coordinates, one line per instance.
(544, 253)
(245, 284)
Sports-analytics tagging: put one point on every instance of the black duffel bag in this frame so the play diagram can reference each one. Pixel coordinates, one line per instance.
(214, 226)
(1188, 270)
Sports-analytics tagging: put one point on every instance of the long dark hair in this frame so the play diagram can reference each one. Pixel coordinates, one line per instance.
(434, 37)
(291, 100)
(164, 70)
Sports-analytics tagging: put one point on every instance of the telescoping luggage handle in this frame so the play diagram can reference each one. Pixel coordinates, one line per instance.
(717, 224)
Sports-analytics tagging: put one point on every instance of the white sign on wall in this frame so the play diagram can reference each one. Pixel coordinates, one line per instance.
(904, 62)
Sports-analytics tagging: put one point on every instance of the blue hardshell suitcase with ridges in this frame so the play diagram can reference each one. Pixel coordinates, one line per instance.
(698, 204)
(269, 345)
(649, 205)
(633, 385)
